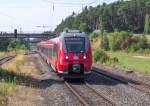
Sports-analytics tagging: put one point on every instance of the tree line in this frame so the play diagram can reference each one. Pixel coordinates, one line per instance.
(8, 44)
(132, 16)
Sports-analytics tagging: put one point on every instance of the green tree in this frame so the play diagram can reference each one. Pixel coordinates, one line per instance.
(4, 42)
(104, 42)
(122, 15)
(16, 44)
(83, 27)
(147, 24)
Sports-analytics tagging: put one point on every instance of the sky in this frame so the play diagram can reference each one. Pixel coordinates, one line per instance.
(35, 16)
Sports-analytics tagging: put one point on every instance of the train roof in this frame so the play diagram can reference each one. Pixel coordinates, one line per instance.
(49, 42)
(67, 33)
(42, 42)
(76, 33)
(53, 40)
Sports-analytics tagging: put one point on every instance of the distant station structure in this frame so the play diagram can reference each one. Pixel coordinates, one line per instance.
(28, 38)
(26, 35)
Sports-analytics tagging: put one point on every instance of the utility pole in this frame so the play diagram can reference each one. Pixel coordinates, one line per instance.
(20, 30)
(28, 42)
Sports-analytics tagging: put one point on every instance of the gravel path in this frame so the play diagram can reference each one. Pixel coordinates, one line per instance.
(120, 93)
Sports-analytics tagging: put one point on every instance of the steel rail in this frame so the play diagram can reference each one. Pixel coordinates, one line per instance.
(101, 94)
(130, 82)
(83, 101)
(76, 94)
(6, 59)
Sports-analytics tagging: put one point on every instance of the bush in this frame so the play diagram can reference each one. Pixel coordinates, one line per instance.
(139, 43)
(142, 42)
(21, 47)
(94, 35)
(114, 60)
(133, 48)
(100, 56)
(105, 42)
(119, 40)
(15, 44)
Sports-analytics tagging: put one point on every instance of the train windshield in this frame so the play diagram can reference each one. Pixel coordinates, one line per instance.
(75, 44)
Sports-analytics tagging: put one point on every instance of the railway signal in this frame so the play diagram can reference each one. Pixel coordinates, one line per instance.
(15, 33)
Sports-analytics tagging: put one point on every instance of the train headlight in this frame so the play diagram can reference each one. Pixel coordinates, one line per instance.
(84, 57)
(66, 57)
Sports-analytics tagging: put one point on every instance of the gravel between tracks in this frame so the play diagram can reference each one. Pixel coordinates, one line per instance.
(120, 93)
(91, 97)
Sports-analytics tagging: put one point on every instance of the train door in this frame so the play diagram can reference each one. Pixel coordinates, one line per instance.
(55, 54)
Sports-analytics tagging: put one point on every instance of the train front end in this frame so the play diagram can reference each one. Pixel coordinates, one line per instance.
(75, 57)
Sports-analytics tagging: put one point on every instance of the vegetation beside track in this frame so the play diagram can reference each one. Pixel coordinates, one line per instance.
(8, 79)
(122, 49)
(11, 53)
(133, 62)
(13, 74)
(10, 44)
(15, 64)
(6, 89)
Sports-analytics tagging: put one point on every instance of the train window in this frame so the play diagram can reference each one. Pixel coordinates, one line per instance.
(49, 51)
(45, 51)
(75, 44)
(55, 51)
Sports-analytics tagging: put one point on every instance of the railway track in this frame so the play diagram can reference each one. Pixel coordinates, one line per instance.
(88, 99)
(141, 86)
(6, 59)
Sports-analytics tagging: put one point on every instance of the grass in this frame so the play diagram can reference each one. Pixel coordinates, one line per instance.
(6, 89)
(129, 61)
(11, 53)
(9, 77)
(20, 71)
(8, 80)
(7, 85)
(15, 64)
(148, 36)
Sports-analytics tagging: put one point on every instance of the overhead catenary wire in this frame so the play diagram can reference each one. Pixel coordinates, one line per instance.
(61, 4)
(32, 24)
(54, 3)
(15, 19)
(70, 3)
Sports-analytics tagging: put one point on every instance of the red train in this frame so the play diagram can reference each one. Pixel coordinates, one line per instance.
(69, 54)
